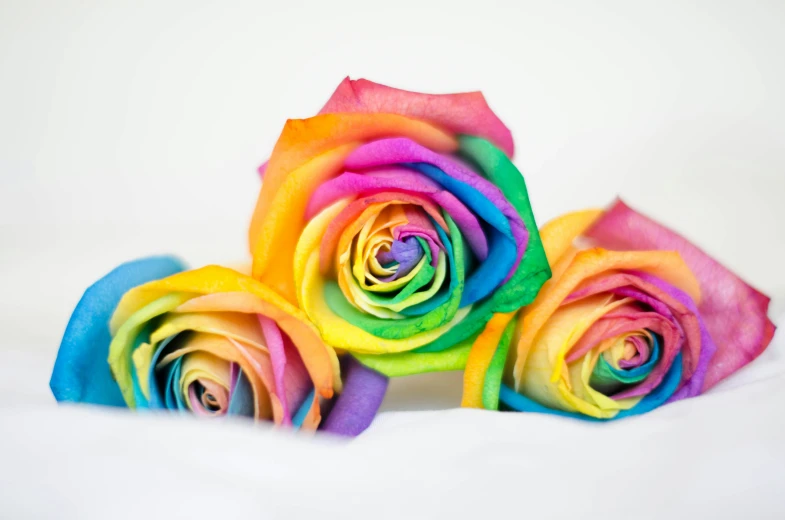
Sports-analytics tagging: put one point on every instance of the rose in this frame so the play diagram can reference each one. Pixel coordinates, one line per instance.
(398, 223)
(211, 341)
(635, 316)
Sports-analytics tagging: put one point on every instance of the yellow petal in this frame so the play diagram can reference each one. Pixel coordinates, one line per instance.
(142, 358)
(237, 325)
(559, 234)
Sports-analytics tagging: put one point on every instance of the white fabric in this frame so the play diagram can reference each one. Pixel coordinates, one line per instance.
(717, 456)
(131, 128)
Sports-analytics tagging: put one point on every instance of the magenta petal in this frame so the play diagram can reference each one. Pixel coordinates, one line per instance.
(693, 379)
(463, 113)
(350, 183)
(405, 180)
(734, 313)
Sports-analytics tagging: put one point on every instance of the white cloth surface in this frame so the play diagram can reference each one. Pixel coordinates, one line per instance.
(132, 128)
(718, 456)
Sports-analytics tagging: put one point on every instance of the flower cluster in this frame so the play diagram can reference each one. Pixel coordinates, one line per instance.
(393, 235)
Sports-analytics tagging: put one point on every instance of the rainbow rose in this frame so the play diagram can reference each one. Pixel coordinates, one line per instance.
(399, 224)
(211, 341)
(635, 316)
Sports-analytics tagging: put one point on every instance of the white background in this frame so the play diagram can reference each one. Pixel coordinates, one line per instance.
(132, 128)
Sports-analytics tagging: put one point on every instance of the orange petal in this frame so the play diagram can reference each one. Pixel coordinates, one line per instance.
(480, 358)
(558, 235)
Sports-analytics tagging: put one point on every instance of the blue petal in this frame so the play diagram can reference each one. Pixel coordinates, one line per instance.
(653, 400)
(302, 413)
(173, 398)
(242, 397)
(157, 401)
(81, 373)
(502, 247)
(659, 395)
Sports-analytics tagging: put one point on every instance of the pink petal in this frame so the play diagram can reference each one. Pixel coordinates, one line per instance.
(274, 340)
(297, 380)
(464, 113)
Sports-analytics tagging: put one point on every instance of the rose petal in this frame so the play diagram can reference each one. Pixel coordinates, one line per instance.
(80, 373)
(356, 406)
(274, 341)
(655, 399)
(508, 233)
(585, 265)
(241, 400)
(408, 181)
(308, 153)
(734, 312)
(462, 113)
(667, 301)
(480, 359)
(226, 290)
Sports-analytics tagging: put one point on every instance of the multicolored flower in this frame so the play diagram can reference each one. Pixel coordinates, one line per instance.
(635, 316)
(210, 341)
(398, 223)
